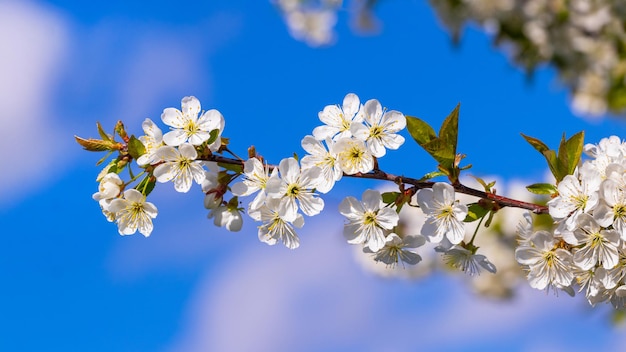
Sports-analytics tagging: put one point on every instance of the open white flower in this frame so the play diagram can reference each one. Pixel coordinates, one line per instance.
(367, 221)
(353, 156)
(179, 165)
(575, 197)
(338, 119)
(445, 214)
(325, 159)
(548, 265)
(607, 151)
(612, 209)
(187, 127)
(294, 185)
(133, 213)
(275, 226)
(398, 249)
(468, 262)
(600, 246)
(255, 177)
(380, 128)
(151, 141)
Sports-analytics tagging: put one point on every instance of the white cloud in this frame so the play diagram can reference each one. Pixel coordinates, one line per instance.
(34, 40)
(131, 70)
(271, 299)
(58, 78)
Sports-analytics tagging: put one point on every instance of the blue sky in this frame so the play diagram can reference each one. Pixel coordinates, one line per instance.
(71, 283)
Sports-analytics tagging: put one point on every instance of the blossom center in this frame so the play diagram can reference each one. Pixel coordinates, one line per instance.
(549, 258)
(355, 153)
(369, 218)
(376, 132)
(191, 128)
(580, 201)
(293, 190)
(596, 240)
(446, 212)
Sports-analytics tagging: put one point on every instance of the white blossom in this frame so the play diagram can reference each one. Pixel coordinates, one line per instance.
(133, 213)
(367, 221)
(575, 197)
(275, 226)
(152, 140)
(468, 262)
(380, 128)
(337, 119)
(188, 127)
(600, 246)
(179, 165)
(325, 159)
(227, 216)
(612, 209)
(353, 156)
(255, 177)
(445, 214)
(294, 185)
(110, 187)
(397, 249)
(211, 187)
(548, 264)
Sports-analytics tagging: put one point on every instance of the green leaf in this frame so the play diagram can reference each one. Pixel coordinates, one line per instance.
(475, 212)
(212, 136)
(442, 148)
(421, 131)
(570, 152)
(135, 147)
(439, 150)
(537, 144)
(553, 164)
(97, 145)
(542, 188)
(449, 131)
(390, 197)
(146, 185)
(565, 161)
(232, 167)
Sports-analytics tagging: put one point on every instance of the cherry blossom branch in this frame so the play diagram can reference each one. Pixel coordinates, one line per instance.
(417, 184)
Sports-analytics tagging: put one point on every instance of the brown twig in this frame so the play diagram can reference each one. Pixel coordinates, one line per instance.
(383, 176)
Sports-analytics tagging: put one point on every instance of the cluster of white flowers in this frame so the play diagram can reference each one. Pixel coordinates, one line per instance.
(174, 158)
(581, 38)
(311, 21)
(438, 220)
(495, 242)
(588, 246)
(352, 135)
(356, 134)
(281, 194)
